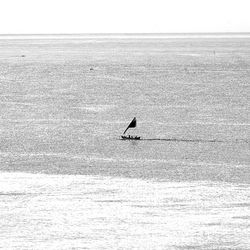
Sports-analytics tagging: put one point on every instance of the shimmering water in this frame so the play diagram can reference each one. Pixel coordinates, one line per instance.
(68, 182)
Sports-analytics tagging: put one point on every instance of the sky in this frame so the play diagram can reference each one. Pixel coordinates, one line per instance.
(123, 16)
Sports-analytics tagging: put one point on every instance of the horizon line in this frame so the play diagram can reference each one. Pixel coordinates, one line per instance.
(125, 35)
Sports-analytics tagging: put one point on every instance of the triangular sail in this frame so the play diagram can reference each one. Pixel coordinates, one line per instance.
(131, 125)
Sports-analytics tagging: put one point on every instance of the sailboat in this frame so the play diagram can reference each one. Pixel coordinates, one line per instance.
(132, 124)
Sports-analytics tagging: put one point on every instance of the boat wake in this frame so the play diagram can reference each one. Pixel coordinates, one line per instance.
(179, 140)
(194, 140)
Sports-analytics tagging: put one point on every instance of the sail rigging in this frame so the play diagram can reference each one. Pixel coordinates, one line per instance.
(131, 125)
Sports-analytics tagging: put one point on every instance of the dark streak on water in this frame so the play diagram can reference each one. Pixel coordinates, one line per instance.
(176, 140)
(189, 140)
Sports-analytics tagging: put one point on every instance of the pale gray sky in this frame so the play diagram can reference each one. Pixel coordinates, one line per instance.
(123, 16)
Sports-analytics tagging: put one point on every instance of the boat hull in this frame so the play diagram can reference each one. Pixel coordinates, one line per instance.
(124, 137)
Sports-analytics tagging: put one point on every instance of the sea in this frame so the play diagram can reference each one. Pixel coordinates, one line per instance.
(67, 180)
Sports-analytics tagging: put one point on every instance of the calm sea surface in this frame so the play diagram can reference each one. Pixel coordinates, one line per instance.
(68, 182)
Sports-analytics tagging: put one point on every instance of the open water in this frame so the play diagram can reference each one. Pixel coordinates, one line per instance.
(68, 182)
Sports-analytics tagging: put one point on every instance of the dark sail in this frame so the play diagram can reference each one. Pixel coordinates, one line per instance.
(131, 125)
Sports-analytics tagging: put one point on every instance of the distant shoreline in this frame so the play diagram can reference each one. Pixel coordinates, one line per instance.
(125, 36)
